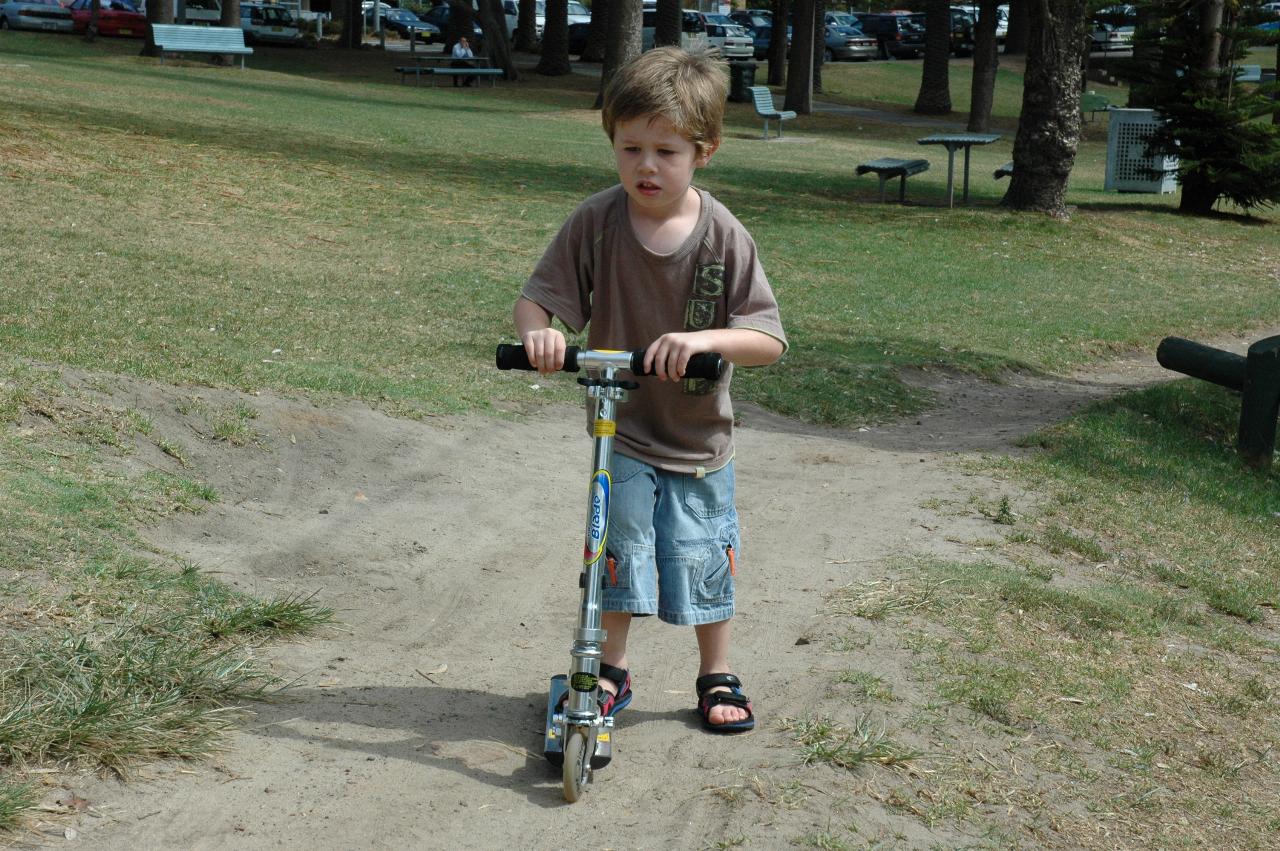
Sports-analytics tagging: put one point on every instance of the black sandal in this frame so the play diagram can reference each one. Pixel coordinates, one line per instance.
(611, 704)
(733, 697)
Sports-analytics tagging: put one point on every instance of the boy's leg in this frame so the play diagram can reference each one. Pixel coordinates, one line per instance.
(616, 624)
(713, 650)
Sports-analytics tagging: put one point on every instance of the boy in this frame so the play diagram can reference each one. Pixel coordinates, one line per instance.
(655, 263)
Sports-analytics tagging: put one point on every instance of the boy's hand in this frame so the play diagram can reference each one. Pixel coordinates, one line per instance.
(545, 348)
(668, 356)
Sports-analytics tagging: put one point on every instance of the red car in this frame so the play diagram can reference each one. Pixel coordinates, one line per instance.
(115, 17)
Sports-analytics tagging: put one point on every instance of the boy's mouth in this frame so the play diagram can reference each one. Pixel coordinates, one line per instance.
(648, 188)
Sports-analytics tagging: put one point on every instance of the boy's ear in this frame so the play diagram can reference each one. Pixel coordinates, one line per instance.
(709, 149)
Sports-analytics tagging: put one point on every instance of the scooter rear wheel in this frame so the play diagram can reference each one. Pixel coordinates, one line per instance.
(578, 744)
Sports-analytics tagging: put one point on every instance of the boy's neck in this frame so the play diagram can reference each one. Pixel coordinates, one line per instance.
(663, 232)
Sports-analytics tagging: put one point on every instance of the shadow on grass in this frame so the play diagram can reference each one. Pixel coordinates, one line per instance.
(1138, 207)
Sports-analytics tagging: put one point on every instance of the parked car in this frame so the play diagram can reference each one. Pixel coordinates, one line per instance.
(578, 38)
(205, 12)
(115, 17)
(962, 24)
(578, 14)
(405, 24)
(1112, 28)
(848, 43)
(1106, 37)
(438, 17)
(759, 25)
(35, 15)
(723, 33)
(691, 28)
(268, 24)
(896, 34)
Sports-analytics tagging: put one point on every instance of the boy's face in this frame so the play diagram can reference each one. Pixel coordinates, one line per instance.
(655, 164)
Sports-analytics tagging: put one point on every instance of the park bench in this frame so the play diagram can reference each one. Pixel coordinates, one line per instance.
(183, 38)
(1256, 377)
(890, 167)
(1093, 103)
(763, 101)
(418, 71)
(492, 73)
(1005, 170)
(1248, 73)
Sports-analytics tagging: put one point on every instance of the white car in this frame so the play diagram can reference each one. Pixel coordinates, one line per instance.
(207, 12)
(578, 14)
(270, 23)
(722, 32)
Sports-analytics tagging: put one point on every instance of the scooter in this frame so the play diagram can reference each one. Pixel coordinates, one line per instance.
(578, 737)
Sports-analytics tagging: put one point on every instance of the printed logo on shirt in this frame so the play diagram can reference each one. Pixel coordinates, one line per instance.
(708, 280)
(700, 314)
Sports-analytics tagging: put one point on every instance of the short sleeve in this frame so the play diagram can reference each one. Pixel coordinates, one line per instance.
(562, 281)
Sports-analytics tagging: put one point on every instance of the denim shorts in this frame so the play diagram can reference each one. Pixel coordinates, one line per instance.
(672, 543)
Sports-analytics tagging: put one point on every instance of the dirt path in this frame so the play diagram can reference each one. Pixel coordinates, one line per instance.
(448, 549)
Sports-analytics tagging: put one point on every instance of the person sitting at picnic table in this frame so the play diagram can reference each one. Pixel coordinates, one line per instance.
(461, 56)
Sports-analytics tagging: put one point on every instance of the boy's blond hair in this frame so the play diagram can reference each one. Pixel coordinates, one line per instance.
(686, 88)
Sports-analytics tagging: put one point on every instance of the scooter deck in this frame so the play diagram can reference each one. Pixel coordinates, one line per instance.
(553, 747)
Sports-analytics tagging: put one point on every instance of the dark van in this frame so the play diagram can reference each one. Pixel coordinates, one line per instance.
(899, 36)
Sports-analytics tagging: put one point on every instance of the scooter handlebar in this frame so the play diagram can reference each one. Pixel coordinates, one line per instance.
(708, 365)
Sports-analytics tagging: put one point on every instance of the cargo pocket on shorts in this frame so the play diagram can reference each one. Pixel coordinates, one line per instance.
(719, 567)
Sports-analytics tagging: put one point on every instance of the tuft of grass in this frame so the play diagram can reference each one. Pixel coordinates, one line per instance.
(823, 740)
(879, 599)
(16, 799)
(867, 685)
(111, 653)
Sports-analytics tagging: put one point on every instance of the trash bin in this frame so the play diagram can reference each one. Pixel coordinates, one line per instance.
(742, 76)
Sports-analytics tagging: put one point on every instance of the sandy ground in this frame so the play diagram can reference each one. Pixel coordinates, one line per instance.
(450, 551)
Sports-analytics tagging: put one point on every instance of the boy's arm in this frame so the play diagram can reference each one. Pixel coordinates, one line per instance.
(668, 355)
(543, 344)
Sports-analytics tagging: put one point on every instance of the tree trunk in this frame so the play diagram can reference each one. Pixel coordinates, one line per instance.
(1018, 32)
(597, 32)
(666, 26)
(554, 61)
(935, 86)
(1275, 94)
(625, 19)
(1049, 127)
(778, 43)
(819, 42)
(986, 60)
(352, 23)
(527, 26)
(229, 17)
(799, 97)
(493, 21)
(157, 13)
(91, 31)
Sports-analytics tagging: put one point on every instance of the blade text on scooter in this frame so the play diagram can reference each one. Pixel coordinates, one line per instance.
(598, 526)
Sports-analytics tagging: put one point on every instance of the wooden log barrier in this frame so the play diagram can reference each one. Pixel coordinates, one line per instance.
(1256, 376)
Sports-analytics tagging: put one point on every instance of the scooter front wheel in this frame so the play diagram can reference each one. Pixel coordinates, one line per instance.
(579, 742)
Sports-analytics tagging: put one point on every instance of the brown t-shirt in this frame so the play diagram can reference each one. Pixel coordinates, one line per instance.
(596, 270)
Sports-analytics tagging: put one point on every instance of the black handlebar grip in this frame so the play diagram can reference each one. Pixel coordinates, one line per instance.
(708, 365)
(514, 357)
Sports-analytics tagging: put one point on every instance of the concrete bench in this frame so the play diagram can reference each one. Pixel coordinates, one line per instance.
(1005, 170)
(763, 100)
(886, 168)
(183, 38)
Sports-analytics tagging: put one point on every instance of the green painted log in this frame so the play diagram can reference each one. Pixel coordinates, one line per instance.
(1260, 406)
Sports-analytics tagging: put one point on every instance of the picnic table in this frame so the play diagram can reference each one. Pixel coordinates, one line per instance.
(953, 142)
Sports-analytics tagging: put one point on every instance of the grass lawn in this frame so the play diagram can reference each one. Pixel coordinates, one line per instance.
(310, 225)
